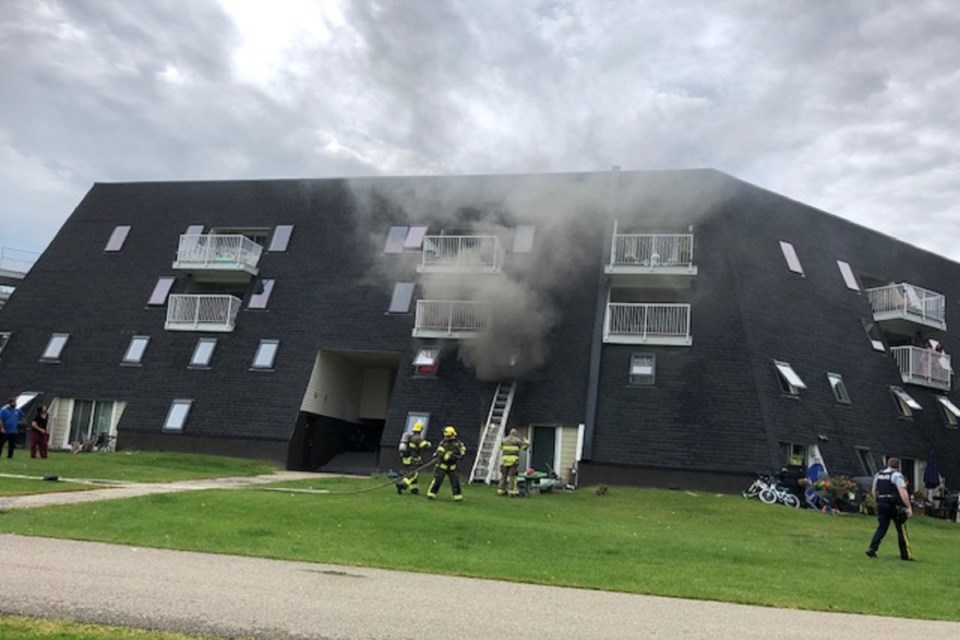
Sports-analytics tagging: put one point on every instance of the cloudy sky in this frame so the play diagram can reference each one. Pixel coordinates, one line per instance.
(848, 106)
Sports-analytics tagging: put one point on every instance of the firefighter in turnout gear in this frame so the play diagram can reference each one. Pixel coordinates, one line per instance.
(893, 505)
(448, 453)
(412, 446)
(510, 448)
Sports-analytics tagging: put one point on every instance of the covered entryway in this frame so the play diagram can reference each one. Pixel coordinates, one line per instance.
(343, 412)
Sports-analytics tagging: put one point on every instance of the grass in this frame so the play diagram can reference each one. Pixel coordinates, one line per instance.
(30, 486)
(669, 543)
(132, 466)
(19, 628)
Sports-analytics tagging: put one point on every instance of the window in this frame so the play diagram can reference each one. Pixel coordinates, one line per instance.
(402, 295)
(790, 382)
(90, 418)
(161, 290)
(177, 415)
(57, 342)
(4, 339)
(265, 355)
(203, 352)
(427, 361)
(848, 278)
(839, 389)
(873, 334)
(642, 368)
(135, 350)
(117, 238)
(950, 411)
(793, 262)
(415, 237)
(396, 238)
(523, 238)
(905, 403)
(261, 296)
(867, 461)
(413, 418)
(281, 238)
(793, 453)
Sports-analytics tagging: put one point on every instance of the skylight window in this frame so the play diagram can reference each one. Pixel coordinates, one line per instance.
(117, 238)
(790, 382)
(396, 238)
(790, 255)
(203, 352)
(950, 411)
(161, 290)
(266, 353)
(873, 334)
(136, 349)
(415, 237)
(848, 276)
(177, 415)
(523, 238)
(427, 361)
(281, 238)
(260, 299)
(55, 346)
(905, 403)
(642, 368)
(402, 295)
(413, 418)
(839, 389)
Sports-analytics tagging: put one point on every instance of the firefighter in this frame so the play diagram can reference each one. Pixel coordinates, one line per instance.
(448, 452)
(893, 505)
(510, 448)
(412, 445)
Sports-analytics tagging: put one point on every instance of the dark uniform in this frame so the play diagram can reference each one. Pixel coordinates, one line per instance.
(510, 448)
(412, 447)
(449, 452)
(890, 508)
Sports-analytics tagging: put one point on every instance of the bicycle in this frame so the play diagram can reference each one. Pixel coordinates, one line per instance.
(776, 493)
(761, 484)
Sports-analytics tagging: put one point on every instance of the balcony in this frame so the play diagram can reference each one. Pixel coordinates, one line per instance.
(186, 312)
(460, 254)
(924, 367)
(652, 256)
(218, 258)
(903, 308)
(647, 323)
(450, 319)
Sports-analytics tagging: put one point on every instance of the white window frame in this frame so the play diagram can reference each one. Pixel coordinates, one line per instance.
(905, 402)
(401, 298)
(199, 349)
(415, 235)
(849, 278)
(840, 392)
(280, 238)
(262, 300)
(523, 237)
(161, 291)
(791, 382)
(135, 356)
(177, 414)
(638, 377)
(396, 238)
(950, 411)
(417, 416)
(55, 347)
(117, 238)
(266, 348)
(790, 255)
(427, 361)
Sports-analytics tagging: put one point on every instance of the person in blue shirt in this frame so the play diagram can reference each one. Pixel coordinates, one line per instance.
(10, 419)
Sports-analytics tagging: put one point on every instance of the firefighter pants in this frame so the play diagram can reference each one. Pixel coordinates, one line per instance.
(508, 480)
(411, 473)
(438, 475)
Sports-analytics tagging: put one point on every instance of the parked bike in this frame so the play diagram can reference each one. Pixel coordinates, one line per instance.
(776, 493)
(761, 484)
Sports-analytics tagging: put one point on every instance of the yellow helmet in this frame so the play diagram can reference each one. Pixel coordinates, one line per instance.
(449, 432)
(417, 427)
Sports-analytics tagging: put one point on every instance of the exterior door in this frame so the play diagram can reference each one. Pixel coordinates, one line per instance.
(543, 448)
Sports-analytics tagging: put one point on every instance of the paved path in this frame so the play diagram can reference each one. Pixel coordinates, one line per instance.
(232, 596)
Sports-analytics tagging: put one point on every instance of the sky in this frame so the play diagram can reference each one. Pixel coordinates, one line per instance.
(848, 106)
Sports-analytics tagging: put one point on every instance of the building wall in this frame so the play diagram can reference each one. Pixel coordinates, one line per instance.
(334, 389)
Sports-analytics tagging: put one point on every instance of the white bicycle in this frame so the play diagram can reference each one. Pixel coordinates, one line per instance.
(775, 493)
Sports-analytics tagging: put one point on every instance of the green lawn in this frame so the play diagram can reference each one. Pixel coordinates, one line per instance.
(29, 486)
(670, 543)
(132, 466)
(18, 628)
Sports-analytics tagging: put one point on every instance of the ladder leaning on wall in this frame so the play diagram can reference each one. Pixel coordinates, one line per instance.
(485, 464)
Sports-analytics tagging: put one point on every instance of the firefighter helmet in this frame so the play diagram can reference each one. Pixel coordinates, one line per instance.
(417, 427)
(449, 432)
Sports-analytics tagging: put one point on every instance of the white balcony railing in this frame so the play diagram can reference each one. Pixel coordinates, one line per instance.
(460, 253)
(214, 251)
(186, 312)
(924, 367)
(450, 318)
(647, 323)
(908, 302)
(654, 251)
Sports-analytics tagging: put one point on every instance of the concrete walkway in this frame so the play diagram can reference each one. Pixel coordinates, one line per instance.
(237, 597)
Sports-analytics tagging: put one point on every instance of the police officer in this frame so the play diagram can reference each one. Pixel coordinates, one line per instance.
(510, 448)
(412, 445)
(893, 504)
(448, 453)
